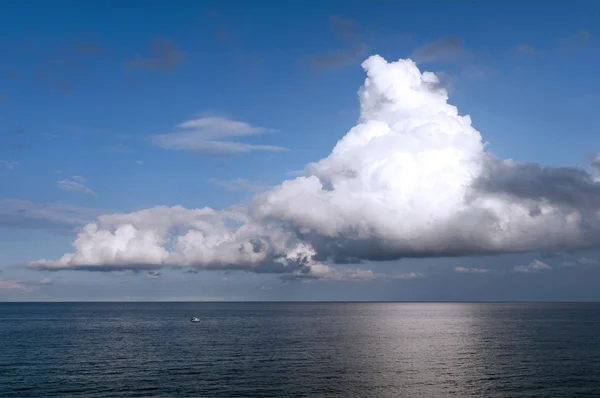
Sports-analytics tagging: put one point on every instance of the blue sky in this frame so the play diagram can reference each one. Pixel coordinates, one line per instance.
(84, 88)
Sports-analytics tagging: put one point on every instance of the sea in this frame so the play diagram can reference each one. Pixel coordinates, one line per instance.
(300, 350)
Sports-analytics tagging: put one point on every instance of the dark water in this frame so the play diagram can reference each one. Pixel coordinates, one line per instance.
(300, 349)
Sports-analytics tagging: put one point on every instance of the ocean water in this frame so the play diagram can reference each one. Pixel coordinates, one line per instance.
(299, 350)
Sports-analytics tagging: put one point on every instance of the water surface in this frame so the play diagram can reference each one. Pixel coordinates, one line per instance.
(299, 349)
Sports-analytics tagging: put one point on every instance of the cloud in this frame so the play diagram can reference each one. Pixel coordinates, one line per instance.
(154, 274)
(21, 214)
(576, 41)
(446, 48)
(534, 266)
(239, 184)
(78, 179)
(74, 186)
(118, 148)
(45, 281)
(9, 164)
(212, 135)
(165, 56)
(346, 30)
(410, 180)
(526, 49)
(326, 273)
(92, 48)
(14, 285)
(585, 260)
(540, 186)
(139, 162)
(464, 270)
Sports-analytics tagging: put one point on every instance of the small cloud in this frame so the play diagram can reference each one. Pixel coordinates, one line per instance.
(346, 30)
(223, 34)
(446, 48)
(14, 285)
(212, 136)
(9, 165)
(191, 271)
(239, 184)
(587, 99)
(45, 282)
(154, 274)
(576, 41)
(465, 270)
(64, 87)
(139, 162)
(165, 56)
(118, 148)
(585, 260)
(526, 49)
(74, 186)
(78, 179)
(534, 266)
(296, 173)
(89, 48)
(478, 72)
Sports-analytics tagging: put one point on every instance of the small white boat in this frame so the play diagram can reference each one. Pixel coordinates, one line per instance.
(195, 319)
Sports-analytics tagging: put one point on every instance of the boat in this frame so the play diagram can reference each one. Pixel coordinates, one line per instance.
(195, 319)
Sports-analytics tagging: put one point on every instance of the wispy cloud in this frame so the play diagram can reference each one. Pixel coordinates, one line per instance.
(465, 270)
(240, 184)
(526, 49)
(139, 162)
(75, 186)
(585, 260)
(575, 41)
(534, 266)
(118, 148)
(327, 273)
(212, 136)
(14, 285)
(22, 214)
(9, 164)
(92, 48)
(346, 30)
(445, 48)
(164, 56)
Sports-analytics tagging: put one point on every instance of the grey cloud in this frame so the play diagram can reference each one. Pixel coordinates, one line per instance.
(565, 186)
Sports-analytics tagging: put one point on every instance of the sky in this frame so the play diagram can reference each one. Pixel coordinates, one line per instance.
(341, 150)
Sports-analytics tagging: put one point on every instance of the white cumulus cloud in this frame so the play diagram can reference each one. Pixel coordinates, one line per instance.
(411, 179)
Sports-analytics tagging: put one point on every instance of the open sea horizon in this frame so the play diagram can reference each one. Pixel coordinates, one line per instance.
(299, 349)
